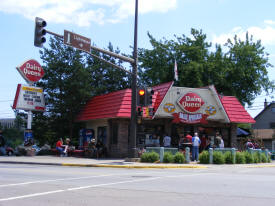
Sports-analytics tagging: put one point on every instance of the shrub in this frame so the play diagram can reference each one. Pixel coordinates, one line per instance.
(179, 158)
(218, 158)
(269, 158)
(248, 157)
(149, 157)
(204, 157)
(240, 158)
(168, 157)
(228, 157)
(263, 158)
(257, 157)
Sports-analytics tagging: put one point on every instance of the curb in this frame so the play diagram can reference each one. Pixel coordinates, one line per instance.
(111, 166)
(136, 166)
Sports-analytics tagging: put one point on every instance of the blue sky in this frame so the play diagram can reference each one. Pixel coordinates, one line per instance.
(112, 21)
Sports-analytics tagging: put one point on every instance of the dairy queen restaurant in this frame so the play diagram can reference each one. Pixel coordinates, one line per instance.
(178, 111)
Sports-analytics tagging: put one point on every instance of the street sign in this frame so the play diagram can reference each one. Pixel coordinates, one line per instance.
(77, 41)
(31, 71)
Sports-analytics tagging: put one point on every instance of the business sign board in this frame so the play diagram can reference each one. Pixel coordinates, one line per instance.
(191, 102)
(29, 98)
(31, 71)
(77, 41)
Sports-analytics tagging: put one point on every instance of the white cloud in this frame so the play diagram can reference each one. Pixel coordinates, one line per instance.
(266, 34)
(83, 12)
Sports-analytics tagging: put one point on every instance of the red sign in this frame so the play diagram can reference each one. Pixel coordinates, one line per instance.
(191, 102)
(190, 118)
(31, 71)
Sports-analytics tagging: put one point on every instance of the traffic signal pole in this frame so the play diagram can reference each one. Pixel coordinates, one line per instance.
(132, 152)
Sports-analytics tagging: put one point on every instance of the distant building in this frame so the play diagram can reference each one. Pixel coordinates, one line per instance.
(7, 122)
(264, 128)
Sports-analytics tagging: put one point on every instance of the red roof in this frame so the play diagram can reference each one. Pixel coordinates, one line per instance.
(118, 104)
(235, 111)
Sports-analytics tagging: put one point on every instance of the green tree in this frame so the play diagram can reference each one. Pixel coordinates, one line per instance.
(241, 71)
(67, 87)
(246, 73)
(71, 78)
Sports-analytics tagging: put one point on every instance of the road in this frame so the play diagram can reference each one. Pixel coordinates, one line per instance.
(35, 185)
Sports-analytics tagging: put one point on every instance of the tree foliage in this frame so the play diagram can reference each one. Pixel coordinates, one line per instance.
(240, 72)
(71, 78)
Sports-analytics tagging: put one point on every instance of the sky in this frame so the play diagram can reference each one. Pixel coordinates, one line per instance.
(105, 21)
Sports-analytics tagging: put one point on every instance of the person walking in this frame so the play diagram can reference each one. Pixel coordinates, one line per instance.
(195, 147)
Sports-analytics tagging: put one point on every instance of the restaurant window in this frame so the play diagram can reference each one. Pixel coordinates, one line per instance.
(114, 136)
(272, 125)
(273, 109)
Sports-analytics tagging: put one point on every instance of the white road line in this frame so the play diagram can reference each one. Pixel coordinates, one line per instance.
(64, 179)
(98, 185)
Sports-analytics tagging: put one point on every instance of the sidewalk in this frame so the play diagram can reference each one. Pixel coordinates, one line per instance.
(87, 162)
(112, 163)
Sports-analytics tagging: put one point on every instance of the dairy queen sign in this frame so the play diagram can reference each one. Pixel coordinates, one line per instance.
(191, 103)
(31, 71)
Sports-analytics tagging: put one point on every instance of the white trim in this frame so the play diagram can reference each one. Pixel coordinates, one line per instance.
(216, 96)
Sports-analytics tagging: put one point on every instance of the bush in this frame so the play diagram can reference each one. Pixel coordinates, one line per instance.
(149, 157)
(240, 158)
(168, 157)
(204, 157)
(179, 158)
(248, 157)
(228, 157)
(218, 158)
(269, 158)
(263, 158)
(257, 157)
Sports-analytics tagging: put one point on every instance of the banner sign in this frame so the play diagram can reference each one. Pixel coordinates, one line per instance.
(190, 118)
(31, 71)
(29, 98)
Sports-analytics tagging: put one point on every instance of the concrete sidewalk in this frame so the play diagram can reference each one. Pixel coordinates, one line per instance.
(87, 162)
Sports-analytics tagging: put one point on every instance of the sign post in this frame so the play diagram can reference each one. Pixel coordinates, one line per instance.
(29, 98)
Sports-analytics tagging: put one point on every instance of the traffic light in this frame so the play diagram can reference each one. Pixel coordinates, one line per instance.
(141, 97)
(39, 32)
(149, 96)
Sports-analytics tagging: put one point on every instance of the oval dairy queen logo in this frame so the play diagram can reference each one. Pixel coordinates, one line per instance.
(169, 107)
(191, 102)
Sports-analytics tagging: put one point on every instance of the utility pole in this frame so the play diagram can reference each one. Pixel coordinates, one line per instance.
(132, 152)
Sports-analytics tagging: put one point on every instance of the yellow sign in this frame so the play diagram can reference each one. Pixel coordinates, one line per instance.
(32, 89)
(169, 107)
(211, 110)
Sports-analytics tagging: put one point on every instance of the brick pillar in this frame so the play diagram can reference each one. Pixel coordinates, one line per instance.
(233, 136)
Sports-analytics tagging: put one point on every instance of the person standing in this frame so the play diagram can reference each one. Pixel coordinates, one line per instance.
(2, 144)
(195, 147)
(166, 140)
(221, 145)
